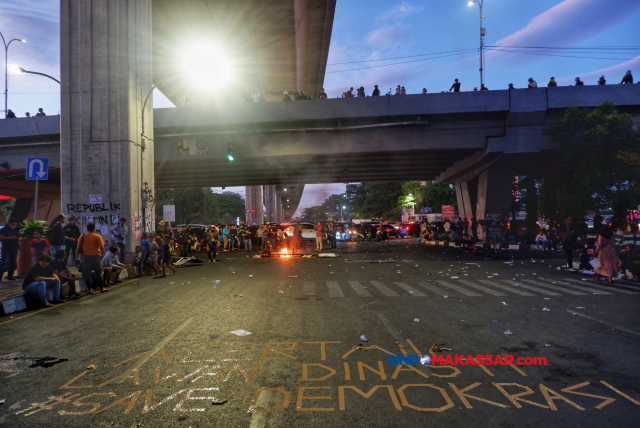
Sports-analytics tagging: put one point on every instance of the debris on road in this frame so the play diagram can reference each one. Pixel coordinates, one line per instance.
(92, 367)
(546, 309)
(508, 332)
(504, 303)
(445, 296)
(213, 335)
(416, 319)
(547, 344)
(495, 321)
(218, 401)
(364, 338)
(580, 307)
(240, 332)
(2, 400)
(293, 276)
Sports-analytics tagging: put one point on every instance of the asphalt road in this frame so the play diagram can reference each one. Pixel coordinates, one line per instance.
(143, 354)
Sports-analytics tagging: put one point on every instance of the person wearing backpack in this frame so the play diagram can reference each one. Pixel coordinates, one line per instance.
(90, 252)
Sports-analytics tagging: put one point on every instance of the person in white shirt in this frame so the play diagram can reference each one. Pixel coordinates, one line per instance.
(532, 83)
(541, 239)
(111, 262)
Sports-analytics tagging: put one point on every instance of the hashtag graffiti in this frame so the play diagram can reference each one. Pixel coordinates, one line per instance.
(49, 404)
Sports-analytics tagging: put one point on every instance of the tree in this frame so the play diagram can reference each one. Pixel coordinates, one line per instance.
(592, 173)
(378, 200)
(430, 194)
(200, 205)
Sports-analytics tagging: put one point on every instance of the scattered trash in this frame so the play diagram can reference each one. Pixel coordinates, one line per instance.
(558, 268)
(240, 332)
(547, 344)
(495, 274)
(596, 294)
(455, 277)
(580, 307)
(364, 338)
(416, 320)
(546, 309)
(516, 285)
(215, 286)
(137, 282)
(584, 279)
(250, 276)
(280, 291)
(495, 321)
(217, 281)
(295, 276)
(218, 401)
(547, 298)
(504, 303)
(2, 400)
(213, 335)
(446, 297)
(204, 277)
(171, 283)
(508, 332)
(92, 367)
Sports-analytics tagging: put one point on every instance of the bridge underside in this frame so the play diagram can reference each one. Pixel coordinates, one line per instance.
(333, 168)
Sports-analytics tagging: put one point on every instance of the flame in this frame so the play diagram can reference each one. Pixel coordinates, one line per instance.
(285, 253)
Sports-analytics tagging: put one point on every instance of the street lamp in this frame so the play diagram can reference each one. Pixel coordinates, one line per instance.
(22, 70)
(6, 59)
(482, 33)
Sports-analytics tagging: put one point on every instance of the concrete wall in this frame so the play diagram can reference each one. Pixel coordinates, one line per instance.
(106, 74)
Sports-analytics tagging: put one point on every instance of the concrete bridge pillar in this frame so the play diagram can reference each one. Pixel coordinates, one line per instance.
(493, 198)
(279, 210)
(106, 73)
(270, 203)
(253, 201)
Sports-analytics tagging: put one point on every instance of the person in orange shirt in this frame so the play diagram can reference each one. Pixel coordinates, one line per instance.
(91, 250)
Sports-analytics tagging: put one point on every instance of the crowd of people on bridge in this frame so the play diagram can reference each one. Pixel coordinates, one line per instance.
(12, 115)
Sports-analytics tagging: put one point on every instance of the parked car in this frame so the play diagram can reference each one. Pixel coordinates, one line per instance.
(409, 229)
(307, 229)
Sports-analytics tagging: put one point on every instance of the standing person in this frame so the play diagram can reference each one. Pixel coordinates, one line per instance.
(226, 232)
(376, 91)
(11, 114)
(212, 244)
(627, 79)
(248, 244)
(71, 233)
(120, 232)
(322, 95)
(233, 235)
(39, 279)
(91, 249)
(318, 229)
(569, 244)
(602, 81)
(58, 238)
(403, 91)
(183, 241)
(424, 91)
(331, 235)
(241, 231)
(455, 86)
(40, 112)
(349, 93)
(60, 269)
(579, 82)
(552, 83)
(154, 247)
(145, 248)
(532, 83)
(606, 254)
(166, 257)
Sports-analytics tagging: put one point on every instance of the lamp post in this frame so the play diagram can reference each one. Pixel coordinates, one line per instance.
(6, 58)
(482, 33)
(22, 70)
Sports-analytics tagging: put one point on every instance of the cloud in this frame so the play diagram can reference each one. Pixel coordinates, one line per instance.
(400, 11)
(396, 34)
(316, 194)
(571, 22)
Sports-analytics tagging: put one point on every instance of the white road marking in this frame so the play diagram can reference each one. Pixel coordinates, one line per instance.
(604, 322)
(433, 288)
(513, 290)
(359, 289)
(334, 289)
(554, 287)
(457, 288)
(410, 289)
(482, 288)
(384, 289)
(530, 287)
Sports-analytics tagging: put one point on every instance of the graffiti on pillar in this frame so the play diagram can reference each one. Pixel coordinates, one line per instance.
(101, 214)
(495, 223)
(192, 147)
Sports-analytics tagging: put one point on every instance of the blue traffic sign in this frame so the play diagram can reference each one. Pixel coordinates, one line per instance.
(248, 211)
(37, 168)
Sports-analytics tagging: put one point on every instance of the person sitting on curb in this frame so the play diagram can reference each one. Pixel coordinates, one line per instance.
(40, 278)
(60, 269)
(111, 261)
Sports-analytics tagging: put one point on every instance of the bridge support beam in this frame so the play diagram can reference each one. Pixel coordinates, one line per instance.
(253, 201)
(106, 77)
(493, 198)
(271, 204)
